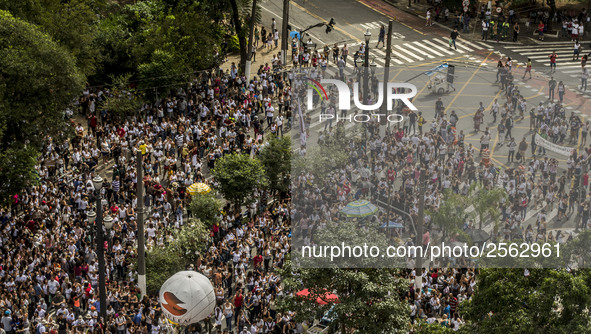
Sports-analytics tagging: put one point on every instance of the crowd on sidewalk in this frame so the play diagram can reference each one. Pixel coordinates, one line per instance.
(49, 271)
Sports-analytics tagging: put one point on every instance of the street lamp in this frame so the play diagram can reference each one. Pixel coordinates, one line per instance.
(367, 36)
(97, 217)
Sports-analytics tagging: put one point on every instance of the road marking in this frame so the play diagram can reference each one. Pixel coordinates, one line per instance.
(486, 45)
(426, 41)
(428, 49)
(446, 44)
(408, 45)
(399, 55)
(410, 53)
(322, 20)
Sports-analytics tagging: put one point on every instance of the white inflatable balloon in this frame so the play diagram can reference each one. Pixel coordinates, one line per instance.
(187, 297)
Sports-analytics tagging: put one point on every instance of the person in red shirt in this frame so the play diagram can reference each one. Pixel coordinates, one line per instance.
(238, 301)
(553, 57)
(121, 132)
(257, 260)
(541, 31)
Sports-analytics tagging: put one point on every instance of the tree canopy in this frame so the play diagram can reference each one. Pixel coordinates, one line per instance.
(38, 80)
(547, 300)
(238, 176)
(369, 299)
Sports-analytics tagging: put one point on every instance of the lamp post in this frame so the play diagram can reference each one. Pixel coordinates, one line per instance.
(367, 36)
(97, 216)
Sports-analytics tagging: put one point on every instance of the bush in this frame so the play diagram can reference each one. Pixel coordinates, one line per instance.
(233, 44)
(205, 208)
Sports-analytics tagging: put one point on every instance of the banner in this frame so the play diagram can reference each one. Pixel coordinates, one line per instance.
(436, 69)
(566, 151)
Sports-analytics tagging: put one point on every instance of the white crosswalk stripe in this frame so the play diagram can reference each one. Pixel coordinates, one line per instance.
(446, 44)
(412, 52)
(428, 42)
(539, 54)
(371, 25)
(411, 47)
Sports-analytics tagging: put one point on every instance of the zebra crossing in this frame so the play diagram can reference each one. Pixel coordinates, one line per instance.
(539, 55)
(403, 53)
(418, 51)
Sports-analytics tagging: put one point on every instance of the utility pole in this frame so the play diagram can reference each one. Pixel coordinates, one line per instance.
(419, 223)
(367, 36)
(250, 41)
(388, 56)
(140, 224)
(100, 248)
(284, 32)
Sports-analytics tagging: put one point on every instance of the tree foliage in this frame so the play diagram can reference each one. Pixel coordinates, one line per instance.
(206, 208)
(238, 176)
(181, 249)
(122, 99)
(369, 299)
(547, 301)
(450, 216)
(38, 79)
(71, 23)
(483, 198)
(276, 158)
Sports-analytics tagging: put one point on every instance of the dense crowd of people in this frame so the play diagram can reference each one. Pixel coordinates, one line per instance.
(386, 166)
(49, 271)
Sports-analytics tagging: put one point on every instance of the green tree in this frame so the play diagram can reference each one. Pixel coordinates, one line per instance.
(546, 301)
(38, 79)
(122, 100)
(206, 208)
(450, 216)
(72, 24)
(238, 176)
(162, 72)
(486, 202)
(369, 299)
(181, 249)
(276, 158)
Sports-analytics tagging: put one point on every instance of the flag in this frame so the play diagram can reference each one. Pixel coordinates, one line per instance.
(436, 69)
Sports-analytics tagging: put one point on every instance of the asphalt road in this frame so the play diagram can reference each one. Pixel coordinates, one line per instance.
(417, 49)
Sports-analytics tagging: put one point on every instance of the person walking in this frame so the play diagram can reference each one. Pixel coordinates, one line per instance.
(381, 36)
(512, 145)
(453, 36)
(527, 68)
(428, 18)
(553, 57)
(521, 149)
(551, 87)
(561, 90)
(576, 50)
(508, 127)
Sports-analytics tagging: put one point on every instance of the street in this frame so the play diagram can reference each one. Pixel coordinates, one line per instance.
(417, 49)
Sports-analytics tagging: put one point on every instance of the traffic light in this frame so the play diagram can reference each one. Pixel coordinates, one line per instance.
(330, 25)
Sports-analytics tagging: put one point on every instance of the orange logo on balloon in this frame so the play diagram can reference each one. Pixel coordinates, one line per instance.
(172, 304)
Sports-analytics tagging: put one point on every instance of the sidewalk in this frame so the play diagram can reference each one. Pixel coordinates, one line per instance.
(526, 36)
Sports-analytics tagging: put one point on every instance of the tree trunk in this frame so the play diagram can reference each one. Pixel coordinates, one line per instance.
(240, 33)
(552, 12)
(250, 40)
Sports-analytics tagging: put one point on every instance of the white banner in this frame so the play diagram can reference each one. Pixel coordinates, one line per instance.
(566, 151)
